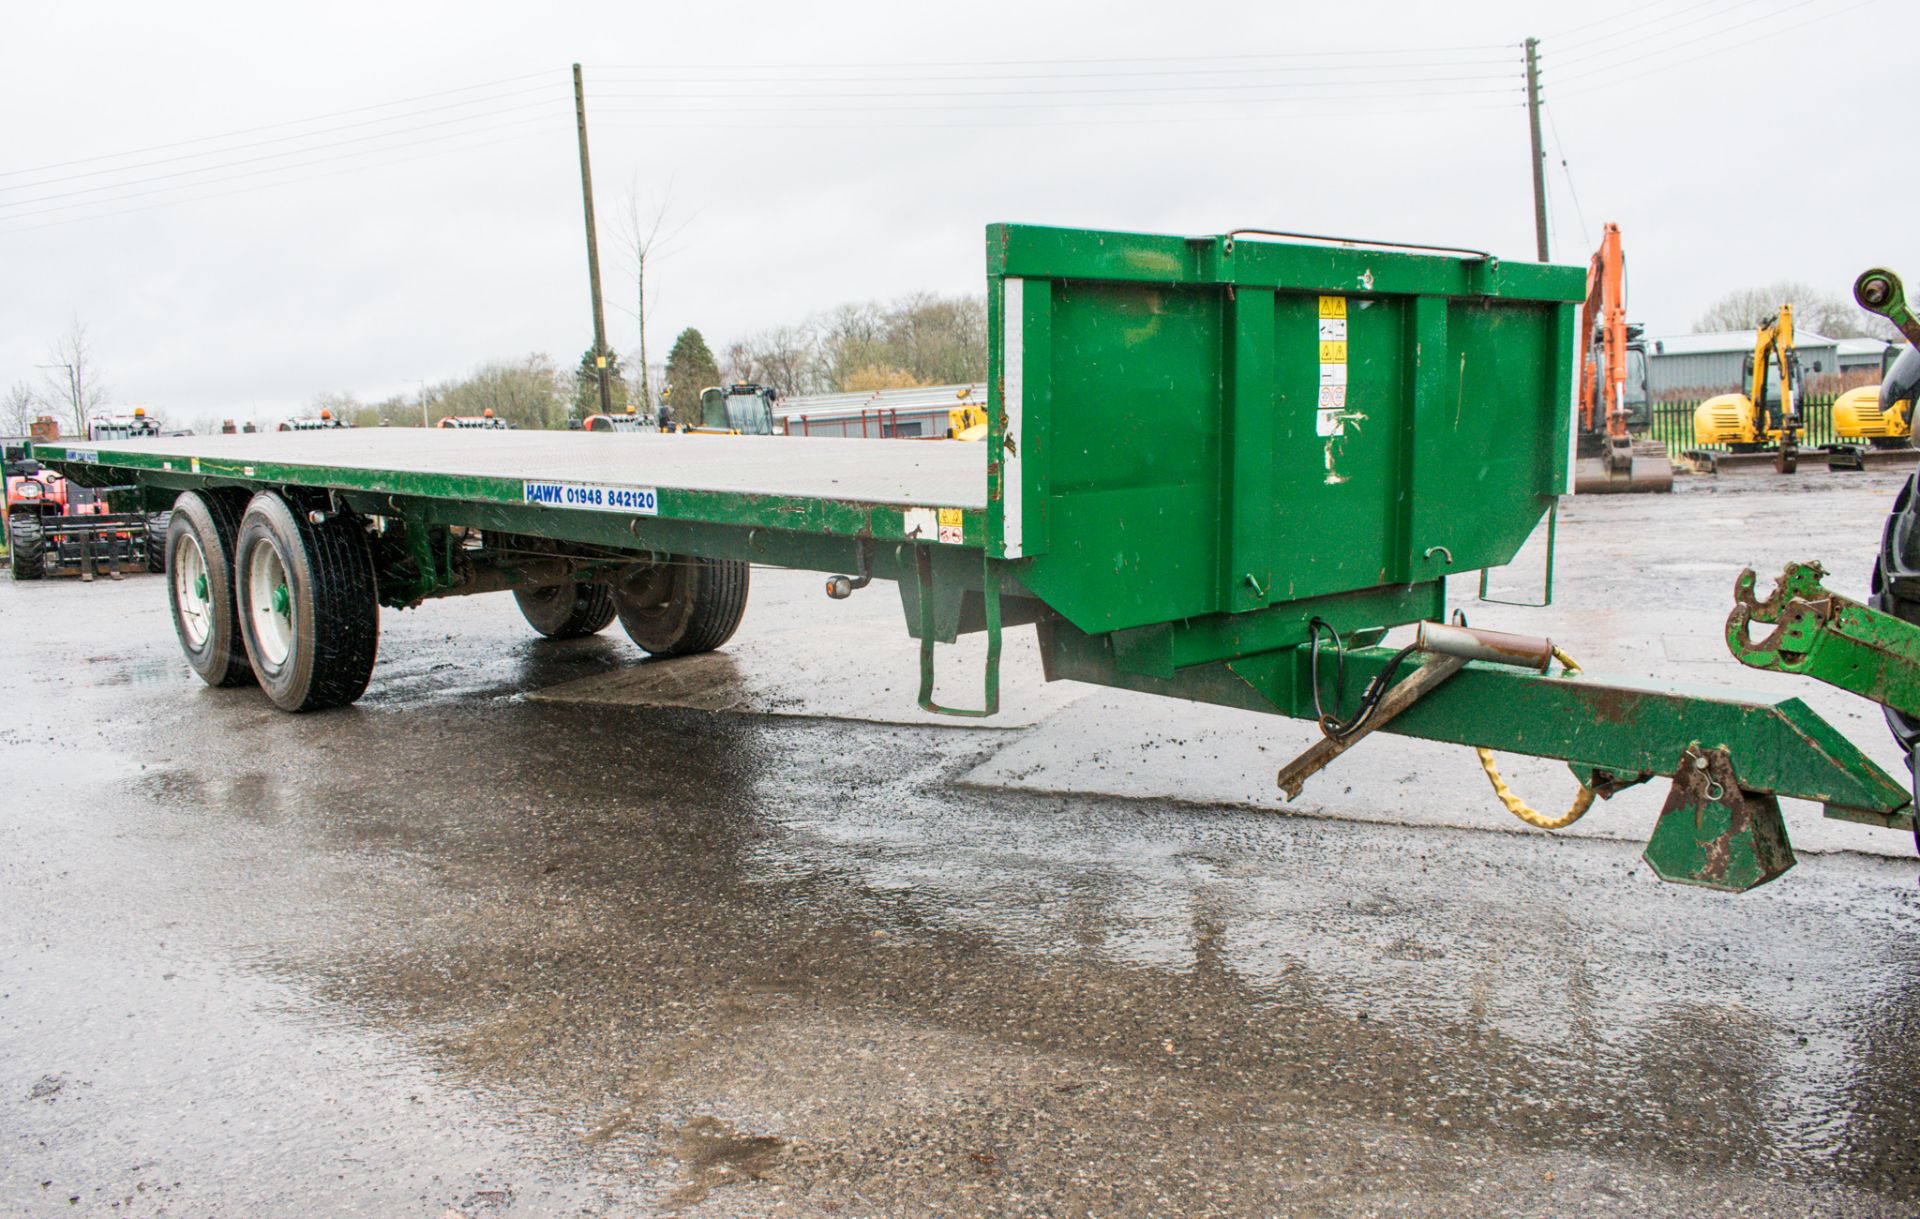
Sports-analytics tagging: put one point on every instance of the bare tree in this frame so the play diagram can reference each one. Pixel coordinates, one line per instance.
(644, 237)
(530, 392)
(1821, 312)
(18, 408)
(784, 357)
(853, 339)
(74, 377)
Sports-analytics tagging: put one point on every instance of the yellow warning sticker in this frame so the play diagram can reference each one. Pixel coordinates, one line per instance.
(952, 526)
(1333, 352)
(1333, 306)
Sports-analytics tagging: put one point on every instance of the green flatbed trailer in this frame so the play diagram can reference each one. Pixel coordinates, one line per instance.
(1208, 459)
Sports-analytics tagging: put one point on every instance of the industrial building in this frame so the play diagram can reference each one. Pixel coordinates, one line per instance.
(920, 412)
(1700, 365)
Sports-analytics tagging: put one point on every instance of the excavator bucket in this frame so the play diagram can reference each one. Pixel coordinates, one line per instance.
(1643, 467)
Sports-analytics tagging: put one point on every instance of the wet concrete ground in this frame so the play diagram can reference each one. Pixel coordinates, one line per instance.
(458, 951)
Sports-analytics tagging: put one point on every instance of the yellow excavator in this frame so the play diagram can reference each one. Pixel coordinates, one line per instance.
(1865, 414)
(1748, 423)
(967, 423)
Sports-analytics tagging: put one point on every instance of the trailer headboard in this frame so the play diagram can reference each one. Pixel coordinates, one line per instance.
(1193, 426)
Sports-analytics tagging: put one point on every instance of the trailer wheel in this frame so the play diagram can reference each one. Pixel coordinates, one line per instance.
(157, 523)
(308, 606)
(26, 546)
(683, 606)
(198, 552)
(567, 611)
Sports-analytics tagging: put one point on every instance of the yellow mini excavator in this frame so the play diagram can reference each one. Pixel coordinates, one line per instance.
(1873, 416)
(1749, 423)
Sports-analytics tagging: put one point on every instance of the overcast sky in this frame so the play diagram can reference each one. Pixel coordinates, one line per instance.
(427, 218)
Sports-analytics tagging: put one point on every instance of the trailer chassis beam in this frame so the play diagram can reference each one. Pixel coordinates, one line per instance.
(1612, 733)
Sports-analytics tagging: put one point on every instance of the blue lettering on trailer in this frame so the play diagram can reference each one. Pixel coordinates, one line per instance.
(594, 497)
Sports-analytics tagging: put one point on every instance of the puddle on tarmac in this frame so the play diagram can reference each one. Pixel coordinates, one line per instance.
(714, 1154)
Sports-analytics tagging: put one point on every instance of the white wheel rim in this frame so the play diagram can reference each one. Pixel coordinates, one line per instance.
(270, 604)
(192, 592)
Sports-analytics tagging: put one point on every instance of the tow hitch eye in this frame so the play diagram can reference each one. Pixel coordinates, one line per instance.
(1715, 835)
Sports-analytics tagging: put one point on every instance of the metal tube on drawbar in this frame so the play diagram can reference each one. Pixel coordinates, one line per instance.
(1497, 647)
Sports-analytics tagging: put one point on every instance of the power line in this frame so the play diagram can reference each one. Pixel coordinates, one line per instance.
(412, 159)
(1635, 35)
(1734, 46)
(1374, 53)
(252, 173)
(1041, 95)
(1199, 88)
(1579, 212)
(1709, 36)
(1609, 19)
(1025, 122)
(134, 152)
(274, 156)
(1041, 104)
(950, 107)
(279, 139)
(870, 78)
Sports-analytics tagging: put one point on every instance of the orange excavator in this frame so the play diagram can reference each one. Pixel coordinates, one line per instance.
(1606, 456)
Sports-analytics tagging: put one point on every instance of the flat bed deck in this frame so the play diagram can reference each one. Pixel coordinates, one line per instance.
(926, 474)
(881, 489)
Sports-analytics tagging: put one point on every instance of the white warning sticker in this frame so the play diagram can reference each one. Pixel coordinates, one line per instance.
(1331, 415)
(952, 526)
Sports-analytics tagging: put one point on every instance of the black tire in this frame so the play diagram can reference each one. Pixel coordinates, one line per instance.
(1895, 586)
(198, 546)
(315, 648)
(26, 546)
(567, 611)
(683, 606)
(157, 523)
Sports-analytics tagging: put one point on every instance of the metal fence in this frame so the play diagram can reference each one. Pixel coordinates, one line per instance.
(1672, 425)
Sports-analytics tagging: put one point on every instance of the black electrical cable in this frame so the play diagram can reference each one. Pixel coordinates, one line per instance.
(1376, 689)
(1313, 671)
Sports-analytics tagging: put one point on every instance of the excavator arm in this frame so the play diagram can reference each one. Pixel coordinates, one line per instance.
(1608, 459)
(1603, 323)
(1773, 345)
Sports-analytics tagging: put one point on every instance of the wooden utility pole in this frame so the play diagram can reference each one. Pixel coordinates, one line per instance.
(640, 316)
(600, 360)
(1533, 130)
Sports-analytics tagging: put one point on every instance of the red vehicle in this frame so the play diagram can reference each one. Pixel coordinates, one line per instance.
(56, 526)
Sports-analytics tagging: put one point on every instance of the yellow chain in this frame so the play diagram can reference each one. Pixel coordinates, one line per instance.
(1520, 808)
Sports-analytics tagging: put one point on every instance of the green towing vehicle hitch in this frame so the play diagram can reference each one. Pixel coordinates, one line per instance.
(1818, 633)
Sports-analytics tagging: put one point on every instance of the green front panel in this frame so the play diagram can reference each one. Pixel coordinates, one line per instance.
(1134, 365)
(1168, 449)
